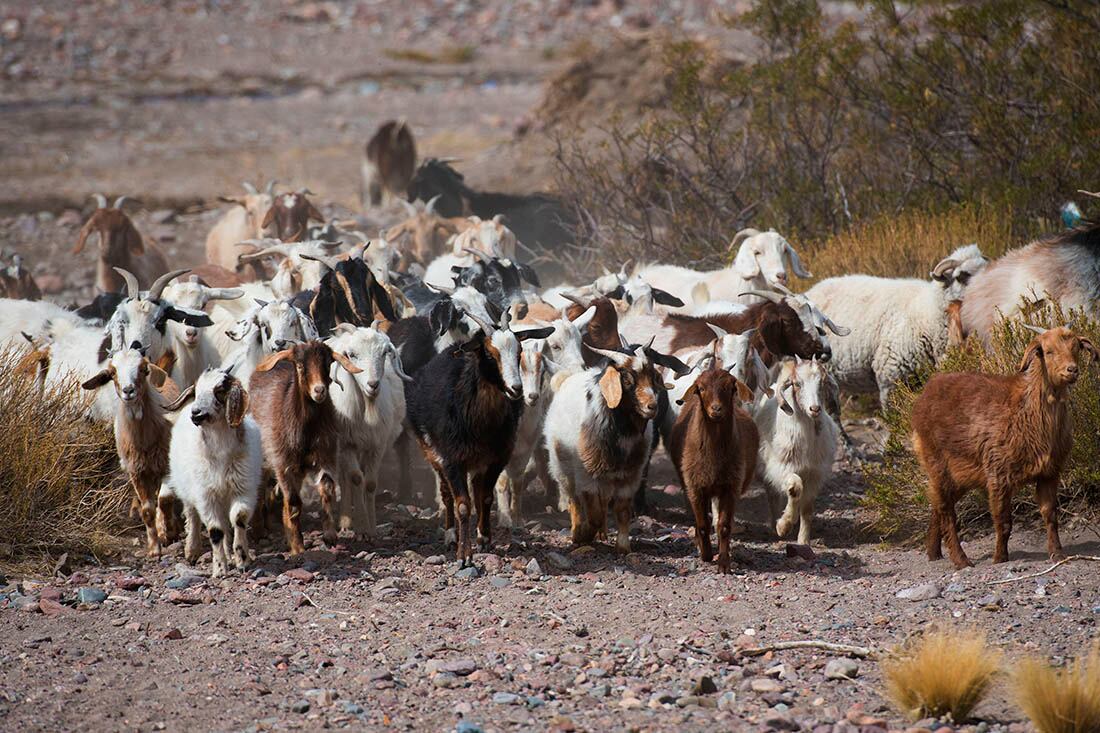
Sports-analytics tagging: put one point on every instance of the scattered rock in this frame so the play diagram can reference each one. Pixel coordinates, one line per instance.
(461, 667)
(465, 726)
(52, 608)
(559, 561)
(533, 569)
(506, 698)
(172, 635)
(704, 686)
(90, 596)
(299, 706)
(300, 574)
(182, 582)
(804, 552)
(352, 708)
(435, 560)
(130, 582)
(26, 604)
(498, 581)
(764, 685)
(841, 669)
(776, 720)
(183, 599)
(468, 573)
(925, 592)
(727, 701)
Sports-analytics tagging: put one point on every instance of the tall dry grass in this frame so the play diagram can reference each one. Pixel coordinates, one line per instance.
(1056, 701)
(60, 487)
(945, 672)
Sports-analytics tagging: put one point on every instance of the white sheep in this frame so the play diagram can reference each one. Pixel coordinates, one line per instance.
(370, 406)
(895, 325)
(798, 440)
(215, 467)
(760, 264)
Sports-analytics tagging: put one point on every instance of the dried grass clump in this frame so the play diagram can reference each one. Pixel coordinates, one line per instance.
(59, 482)
(945, 672)
(1056, 701)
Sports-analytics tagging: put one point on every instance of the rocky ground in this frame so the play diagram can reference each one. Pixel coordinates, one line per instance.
(176, 102)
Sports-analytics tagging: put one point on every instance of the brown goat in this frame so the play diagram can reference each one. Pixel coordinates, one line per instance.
(973, 431)
(603, 329)
(713, 445)
(17, 283)
(216, 276)
(779, 331)
(390, 162)
(142, 436)
(290, 213)
(290, 401)
(120, 245)
(427, 234)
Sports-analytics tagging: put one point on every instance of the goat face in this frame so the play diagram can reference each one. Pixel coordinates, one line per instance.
(312, 361)
(194, 296)
(278, 325)
(629, 379)
(640, 294)
(435, 178)
(128, 369)
(531, 368)
(953, 272)
(1057, 350)
(218, 395)
(801, 386)
(290, 213)
(565, 341)
(119, 239)
(499, 279)
(256, 206)
(718, 391)
(490, 237)
(792, 329)
(503, 348)
(764, 255)
(368, 349)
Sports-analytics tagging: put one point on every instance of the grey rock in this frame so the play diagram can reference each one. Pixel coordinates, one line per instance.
(435, 560)
(465, 726)
(352, 708)
(533, 569)
(534, 702)
(600, 691)
(506, 698)
(299, 706)
(468, 573)
(559, 561)
(90, 596)
(841, 669)
(461, 667)
(778, 720)
(24, 603)
(498, 581)
(180, 582)
(765, 684)
(925, 592)
(727, 701)
(990, 602)
(954, 588)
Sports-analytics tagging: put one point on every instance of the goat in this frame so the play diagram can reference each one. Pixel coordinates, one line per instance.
(599, 430)
(349, 292)
(797, 443)
(17, 282)
(296, 271)
(290, 401)
(194, 350)
(216, 465)
(760, 264)
(121, 246)
(489, 237)
(425, 234)
(973, 431)
(290, 214)
(463, 407)
(897, 325)
(370, 409)
(269, 327)
(1064, 267)
(388, 164)
(245, 220)
(713, 445)
(499, 279)
(142, 434)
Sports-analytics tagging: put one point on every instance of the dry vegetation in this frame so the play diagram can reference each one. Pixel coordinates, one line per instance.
(945, 672)
(1066, 701)
(59, 483)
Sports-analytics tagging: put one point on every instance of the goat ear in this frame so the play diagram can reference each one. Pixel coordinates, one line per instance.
(134, 242)
(180, 401)
(269, 363)
(268, 218)
(157, 376)
(534, 333)
(528, 273)
(345, 362)
(239, 200)
(666, 298)
(85, 232)
(382, 299)
(687, 393)
(1034, 350)
(743, 392)
(313, 213)
(1086, 344)
(99, 380)
(236, 405)
(611, 387)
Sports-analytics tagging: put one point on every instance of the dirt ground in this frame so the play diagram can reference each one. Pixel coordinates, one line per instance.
(177, 102)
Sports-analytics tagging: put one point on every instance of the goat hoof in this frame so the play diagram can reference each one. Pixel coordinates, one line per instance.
(1057, 556)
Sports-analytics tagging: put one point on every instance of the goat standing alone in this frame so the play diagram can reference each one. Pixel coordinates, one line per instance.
(995, 432)
(713, 445)
(121, 246)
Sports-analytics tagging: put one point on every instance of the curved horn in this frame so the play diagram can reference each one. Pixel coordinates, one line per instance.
(430, 207)
(329, 262)
(100, 200)
(269, 189)
(305, 192)
(398, 369)
(267, 252)
(766, 294)
(617, 357)
(485, 327)
(133, 290)
(410, 208)
(249, 188)
(439, 288)
(741, 236)
(161, 282)
(477, 253)
(718, 331)
(121, 201)
(1035, 329)
(574, 299)
(224, 293)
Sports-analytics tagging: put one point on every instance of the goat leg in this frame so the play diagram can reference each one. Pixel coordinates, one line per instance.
(457, 481)
(949, 526)
(792, 487)
(148, 514)
(239, 514)
(623, 515)
(726, 504)
(702, 524)
(290, 483)
(1000, 506)
(192, 546)
(326, 489)
(1046, 490)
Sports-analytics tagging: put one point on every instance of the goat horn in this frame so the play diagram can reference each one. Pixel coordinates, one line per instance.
(430, 207)
(224, 293)
(476, 253)
(249, 188)
(161, 282)
(718, 331)
(617, 357)
(100, 200)
(439, 288)
(121, 201)
(305, 192)
(1036, 329)
(269, 189)
(449, 160)
(261, 303)
(133, 290)
(766, 294)
(410, 208)
(485, 327)
(329, 262)
(574, 299)
(780, 287)
(1094, 194)
(278, 249)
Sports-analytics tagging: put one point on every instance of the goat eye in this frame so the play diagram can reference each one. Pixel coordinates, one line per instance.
(820, 331)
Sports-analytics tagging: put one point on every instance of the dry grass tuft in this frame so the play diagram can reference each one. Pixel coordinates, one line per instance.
(446, 55)
(945, 672)
(59, 481)
(1056, 701)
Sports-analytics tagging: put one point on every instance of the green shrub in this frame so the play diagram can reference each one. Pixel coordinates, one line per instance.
(895, 487)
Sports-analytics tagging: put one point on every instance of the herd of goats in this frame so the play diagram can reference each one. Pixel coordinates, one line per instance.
(305, 351)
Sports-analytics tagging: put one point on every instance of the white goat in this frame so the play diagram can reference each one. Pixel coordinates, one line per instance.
(759, 265)
(294, 272)
(896, 325)
(798, 440)
(370, 407)
(243, 221)
(215, 464)
(195, 349)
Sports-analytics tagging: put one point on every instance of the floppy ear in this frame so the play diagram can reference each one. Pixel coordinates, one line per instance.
(346, 363)
(382, 299)
(313, 213)
(179, 402)
(269, 363)
(1086, 344)
(611, 387)
(236, 405)
(99, 380)
(85, 232)
(743, 392)
(472, 345)
(190, 317)
(690, 391)
(1034, 349)
(157, 376)
(268, 218)
(528, 273)
(666, 298)
(134, 242)
(442, 317)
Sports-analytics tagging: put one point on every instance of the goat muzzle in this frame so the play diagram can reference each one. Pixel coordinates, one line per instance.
(318, 393)
(198, 417)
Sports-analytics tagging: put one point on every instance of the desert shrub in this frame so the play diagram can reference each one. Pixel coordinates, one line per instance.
(944, 672)
(918, 107)
(895, 487)
(59, 480)
(1060, 702)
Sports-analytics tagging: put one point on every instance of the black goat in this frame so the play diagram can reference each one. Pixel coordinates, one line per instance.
(102, 307)
(540, 221)
(463, 407)
(348, 293)
(498, 278)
